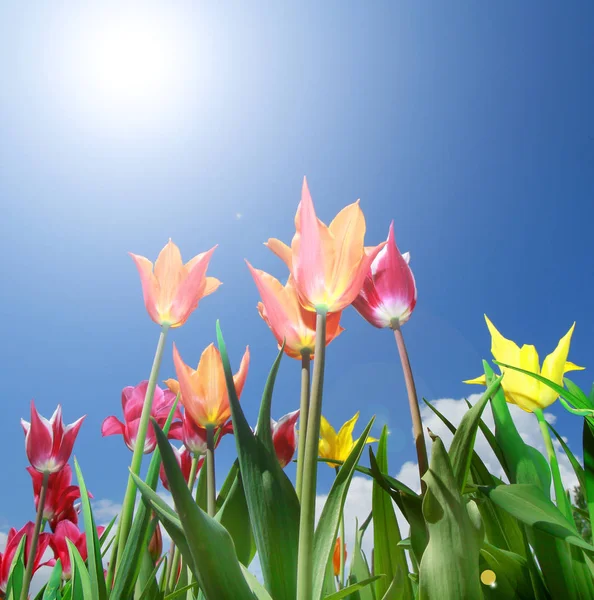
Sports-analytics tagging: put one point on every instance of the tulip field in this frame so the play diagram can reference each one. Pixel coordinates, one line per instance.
(471, 533)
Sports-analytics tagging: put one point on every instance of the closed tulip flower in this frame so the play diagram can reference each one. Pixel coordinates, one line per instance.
(389, 293)
(284, 437)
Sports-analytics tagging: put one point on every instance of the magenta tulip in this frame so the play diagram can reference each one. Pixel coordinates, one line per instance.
(284, 437)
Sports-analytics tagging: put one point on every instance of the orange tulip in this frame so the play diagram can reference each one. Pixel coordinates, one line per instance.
(336, 557)
(204, 391)
(171, 289)
(283, 313)
(328, 263)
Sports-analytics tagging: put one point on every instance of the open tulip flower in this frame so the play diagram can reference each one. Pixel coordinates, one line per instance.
(338, 446)
(328, 263)
(525, 391)
(171, 289)
(389, 293)
(184, 460)
(283, 313)
(284, 437)
(12, 544)
(49, 443)
(66, 530)
(132, 402)
(60, 498)
(204, 390)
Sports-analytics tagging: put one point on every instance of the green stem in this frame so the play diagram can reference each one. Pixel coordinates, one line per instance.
(176, 555)
(562, 502)
(211, 490)
(413, 403)
(303, 412)
(310, 466)
(341, 534)
(36, 530)
(130, 497)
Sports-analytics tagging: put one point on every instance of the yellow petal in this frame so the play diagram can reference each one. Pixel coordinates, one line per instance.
(344, 440)
(524, 384)
(482, 380)
(327, 432)
(281, 250)
(569, 366)
(553, 368)
(503, 350)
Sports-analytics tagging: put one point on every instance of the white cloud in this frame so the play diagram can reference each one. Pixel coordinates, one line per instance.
(105, 510)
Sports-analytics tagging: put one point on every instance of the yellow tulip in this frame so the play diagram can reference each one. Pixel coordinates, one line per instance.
(338, 446)
(523, 390)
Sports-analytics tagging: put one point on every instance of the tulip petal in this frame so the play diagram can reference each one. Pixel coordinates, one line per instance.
(503, 350)
(190, 290)
(149, 285)
(482, 380)
(39, 440)
(187, 397)
(281, 250)
(241, 375)
(169, 273)
(70, 433)
(348, 231)
(112, 426)
(553, 367)
(344, 439)
(569, 366)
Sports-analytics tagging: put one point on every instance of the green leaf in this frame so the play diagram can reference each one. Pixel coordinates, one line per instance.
(52, 589)
(578, 469)
(463, 443)
(354, 587)
(81, 581)
(227, 484)
(234, 517)
(588, 447)
(512, 573)
(217, 569)
(528, 504)
(388, 558)
(93, 546)
(130, 563)
(327, 528)
(526, 464)
(257, 588)
(181, 591)
(359, 567)
(150, 590)
(449, 568)
(271, 499)
(17, 572)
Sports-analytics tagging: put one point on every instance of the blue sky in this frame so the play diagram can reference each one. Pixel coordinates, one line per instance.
(470, 126)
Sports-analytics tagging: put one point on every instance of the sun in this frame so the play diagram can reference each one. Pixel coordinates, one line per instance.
(124, 70)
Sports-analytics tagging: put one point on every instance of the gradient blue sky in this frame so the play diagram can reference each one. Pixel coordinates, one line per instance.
(470, 125)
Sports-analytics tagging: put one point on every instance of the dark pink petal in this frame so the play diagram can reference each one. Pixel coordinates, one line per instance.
(38, 441)
(284, 438)
(57, 425)
(112, 426)
(70, 433)
(369, 305)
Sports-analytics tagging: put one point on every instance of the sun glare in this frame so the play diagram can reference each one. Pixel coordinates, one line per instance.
(129, 70)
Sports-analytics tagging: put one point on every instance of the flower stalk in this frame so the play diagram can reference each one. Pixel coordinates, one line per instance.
(303, 416)
(210, 472)
(562, 502)
(412, 402)
(130, 496)
(36, 531)
(310, 465)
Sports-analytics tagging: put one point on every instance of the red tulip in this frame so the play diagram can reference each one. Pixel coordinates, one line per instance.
(389, 293)
(49, 443)
(59, 501)
(68, 530)
(12, 543)
(132, 403)
(284, 437)
(184, 460)
(193, 436)
(155, 546)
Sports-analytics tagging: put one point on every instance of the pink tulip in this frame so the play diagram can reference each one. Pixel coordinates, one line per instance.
(184, 460)
(66, 530)
(194, 437)
(132, 403)
(155, 546)
(284, 437)
(59, 501)
(12, 543)
(389, 293)
(49, 443)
